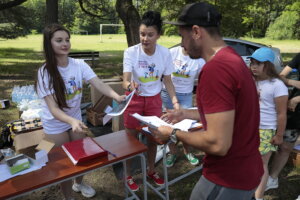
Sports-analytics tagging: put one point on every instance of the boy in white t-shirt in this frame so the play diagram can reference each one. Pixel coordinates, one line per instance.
(186, 71)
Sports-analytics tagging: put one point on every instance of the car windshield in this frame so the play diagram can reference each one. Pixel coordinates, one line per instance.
(242, 49)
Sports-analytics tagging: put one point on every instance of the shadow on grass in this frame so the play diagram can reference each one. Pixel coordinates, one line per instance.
(19, 63)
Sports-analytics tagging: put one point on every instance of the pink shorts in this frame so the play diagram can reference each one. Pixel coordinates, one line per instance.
(146, 106)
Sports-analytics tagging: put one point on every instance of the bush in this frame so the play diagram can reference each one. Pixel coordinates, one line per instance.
(286, 26)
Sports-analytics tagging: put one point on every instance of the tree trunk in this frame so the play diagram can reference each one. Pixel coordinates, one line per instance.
(51, 11)
(131, 19)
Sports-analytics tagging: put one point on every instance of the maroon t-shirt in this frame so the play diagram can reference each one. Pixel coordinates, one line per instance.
(225, 83)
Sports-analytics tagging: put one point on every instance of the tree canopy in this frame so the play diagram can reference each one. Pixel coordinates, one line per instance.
(255, 18)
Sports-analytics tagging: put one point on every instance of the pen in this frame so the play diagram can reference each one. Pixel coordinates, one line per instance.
(114, 155)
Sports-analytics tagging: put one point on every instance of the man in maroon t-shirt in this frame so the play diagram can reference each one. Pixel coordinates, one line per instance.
(227, 106)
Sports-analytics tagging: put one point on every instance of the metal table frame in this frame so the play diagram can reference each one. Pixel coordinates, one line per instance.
(165, 187)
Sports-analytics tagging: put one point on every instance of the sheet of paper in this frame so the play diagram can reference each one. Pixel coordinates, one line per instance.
(155, 122)
(185, 124)
(151, 121)
(120, 108)
(106, 119)
(297, 147)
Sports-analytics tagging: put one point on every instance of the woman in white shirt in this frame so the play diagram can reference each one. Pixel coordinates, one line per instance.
(145, 66)
(59, 84)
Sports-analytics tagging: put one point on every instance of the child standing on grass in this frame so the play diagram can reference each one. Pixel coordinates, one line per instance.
(60, 82)
(273, 97)
(186, 70)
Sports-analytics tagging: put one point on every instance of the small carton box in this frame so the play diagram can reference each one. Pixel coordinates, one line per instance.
(39, 155)
(295, 155)
(28, 139)
(18, 163)
(94, 117)
(34, 145)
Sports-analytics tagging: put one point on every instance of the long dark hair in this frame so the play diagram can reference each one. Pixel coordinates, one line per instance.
(55, 80)
(152, 18)
(270, 71)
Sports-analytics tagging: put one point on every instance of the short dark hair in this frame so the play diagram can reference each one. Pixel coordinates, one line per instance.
(152, 18)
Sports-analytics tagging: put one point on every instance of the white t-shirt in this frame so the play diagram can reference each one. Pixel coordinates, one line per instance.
(268, 90)
(148, 70)
(186, 70)
(73, 75)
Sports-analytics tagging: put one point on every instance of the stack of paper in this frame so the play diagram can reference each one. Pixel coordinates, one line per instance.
(155, 122)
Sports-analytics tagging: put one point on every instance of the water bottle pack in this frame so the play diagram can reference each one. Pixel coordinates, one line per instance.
(20, 93)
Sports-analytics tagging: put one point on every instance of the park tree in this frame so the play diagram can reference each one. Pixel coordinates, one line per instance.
(286, 26)
(15, 19)
(51, 11)
(125, 9)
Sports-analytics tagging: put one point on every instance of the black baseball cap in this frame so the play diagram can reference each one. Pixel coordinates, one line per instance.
(201, 14)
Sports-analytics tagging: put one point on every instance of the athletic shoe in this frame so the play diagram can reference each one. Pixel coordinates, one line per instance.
(298, 198)
(155, 177)
(272, 183)
(171, 158)
(86, 190)
(192, 159)
(131, 184)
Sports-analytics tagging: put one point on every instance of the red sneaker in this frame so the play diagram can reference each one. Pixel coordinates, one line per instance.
(155, 177)
(131, 184)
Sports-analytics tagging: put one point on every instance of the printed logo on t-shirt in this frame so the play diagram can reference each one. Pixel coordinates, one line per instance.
(182, 71)
(73, 88)
(150, 73)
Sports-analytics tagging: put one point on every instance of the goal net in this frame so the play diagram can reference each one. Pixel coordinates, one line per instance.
(102, 25)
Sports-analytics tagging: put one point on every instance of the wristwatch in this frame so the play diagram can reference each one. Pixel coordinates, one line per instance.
(173, 136)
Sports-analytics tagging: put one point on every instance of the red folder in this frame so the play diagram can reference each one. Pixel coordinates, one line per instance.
(83, 150)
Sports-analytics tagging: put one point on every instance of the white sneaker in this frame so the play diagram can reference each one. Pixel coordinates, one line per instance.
(86, 190)
(272, 183)
(298, 198)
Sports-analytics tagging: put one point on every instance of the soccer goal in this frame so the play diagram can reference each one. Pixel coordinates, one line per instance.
(101, 27)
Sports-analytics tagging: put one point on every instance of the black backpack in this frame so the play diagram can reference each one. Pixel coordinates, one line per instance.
(6, 136)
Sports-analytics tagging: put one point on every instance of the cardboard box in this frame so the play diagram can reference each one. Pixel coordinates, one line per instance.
(295, 157)
(115, 84)
(18, 163)
(94, 117)
(34, 145)
(28, 139)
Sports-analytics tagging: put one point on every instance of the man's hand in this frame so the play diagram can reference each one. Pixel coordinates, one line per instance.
(173, 116)
(162, 133)
(292, 103)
